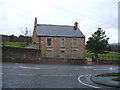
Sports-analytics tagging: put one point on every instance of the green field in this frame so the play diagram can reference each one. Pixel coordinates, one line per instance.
(108, 56)
(14, 44)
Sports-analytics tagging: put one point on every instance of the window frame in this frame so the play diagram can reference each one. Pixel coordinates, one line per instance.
(76, 53)
(47, 42)
(62, 43)
(73, 44)
(47, 55)
(61, 53)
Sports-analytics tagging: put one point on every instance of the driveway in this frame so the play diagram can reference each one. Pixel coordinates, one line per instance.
(21, 75)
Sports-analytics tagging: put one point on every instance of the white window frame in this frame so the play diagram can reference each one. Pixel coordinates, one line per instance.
(76, 53)
(74, 45)
(51, 53)
(61, 42)
(47, 42)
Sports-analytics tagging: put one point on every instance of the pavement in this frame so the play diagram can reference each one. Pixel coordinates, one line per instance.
(107, 81)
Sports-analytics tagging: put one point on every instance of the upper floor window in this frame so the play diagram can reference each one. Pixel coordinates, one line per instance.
(62, 42)
(74, 42)
(49, 42)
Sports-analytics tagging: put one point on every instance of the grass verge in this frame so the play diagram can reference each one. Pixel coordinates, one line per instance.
(108, 74)
(116, 79)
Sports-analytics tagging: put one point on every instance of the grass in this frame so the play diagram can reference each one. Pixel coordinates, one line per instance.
(116, 79)
(14, 44)
(108, 56)
(108, 74)
(88, 54)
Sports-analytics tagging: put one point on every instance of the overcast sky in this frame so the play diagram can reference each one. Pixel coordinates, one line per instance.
(90, 15)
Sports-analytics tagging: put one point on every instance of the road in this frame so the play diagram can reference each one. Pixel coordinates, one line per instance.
(21, 75)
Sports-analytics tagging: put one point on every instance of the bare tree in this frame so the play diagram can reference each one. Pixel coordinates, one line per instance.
(25, 31)
(26, 34)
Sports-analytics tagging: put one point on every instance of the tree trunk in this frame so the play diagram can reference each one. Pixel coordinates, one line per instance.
(96, 57)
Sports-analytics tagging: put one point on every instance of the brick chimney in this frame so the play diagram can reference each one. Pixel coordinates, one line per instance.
(75, 25)
(35, 22)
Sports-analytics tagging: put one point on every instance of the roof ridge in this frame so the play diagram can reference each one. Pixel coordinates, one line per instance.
(54, 25)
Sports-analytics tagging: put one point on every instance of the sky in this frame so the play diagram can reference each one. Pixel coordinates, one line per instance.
(90, 15)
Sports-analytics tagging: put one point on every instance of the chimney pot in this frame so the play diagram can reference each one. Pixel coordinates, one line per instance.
(99, 28)
(75, 25)
(35, 22)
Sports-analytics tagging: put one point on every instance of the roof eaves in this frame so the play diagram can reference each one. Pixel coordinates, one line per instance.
(60, 36)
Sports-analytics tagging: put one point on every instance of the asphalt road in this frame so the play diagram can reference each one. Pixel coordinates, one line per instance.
(21, 75)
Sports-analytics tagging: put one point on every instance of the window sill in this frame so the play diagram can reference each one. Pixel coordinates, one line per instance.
(49, 46)
(62, 46)
(75, 46)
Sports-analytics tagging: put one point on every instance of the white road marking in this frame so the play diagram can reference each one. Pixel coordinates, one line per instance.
(23, 74)
(87, 67)
(85, 83)
(25, 67)
(29, 67)
(104, 69)
(89, 75)
(17, 74)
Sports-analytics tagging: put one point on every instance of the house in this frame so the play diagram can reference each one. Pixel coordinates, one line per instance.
(59, 41)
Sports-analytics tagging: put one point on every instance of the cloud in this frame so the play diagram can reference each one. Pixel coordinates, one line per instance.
(90, 14)
(112, 34)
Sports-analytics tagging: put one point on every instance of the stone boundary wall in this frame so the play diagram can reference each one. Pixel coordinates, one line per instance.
(109, 61)
(15, 54)
(27, 55)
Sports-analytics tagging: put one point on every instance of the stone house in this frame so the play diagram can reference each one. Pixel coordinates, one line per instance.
(59, 41)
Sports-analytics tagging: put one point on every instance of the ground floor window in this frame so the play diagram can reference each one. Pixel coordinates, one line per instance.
(74, 53)
(49, 53)
(62, 53)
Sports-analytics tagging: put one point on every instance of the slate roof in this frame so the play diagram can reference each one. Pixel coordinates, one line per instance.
(58, 31)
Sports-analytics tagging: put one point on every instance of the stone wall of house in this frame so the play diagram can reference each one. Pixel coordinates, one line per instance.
(68, 47)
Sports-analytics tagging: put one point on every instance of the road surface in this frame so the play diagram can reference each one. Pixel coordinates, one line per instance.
(21, 75)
